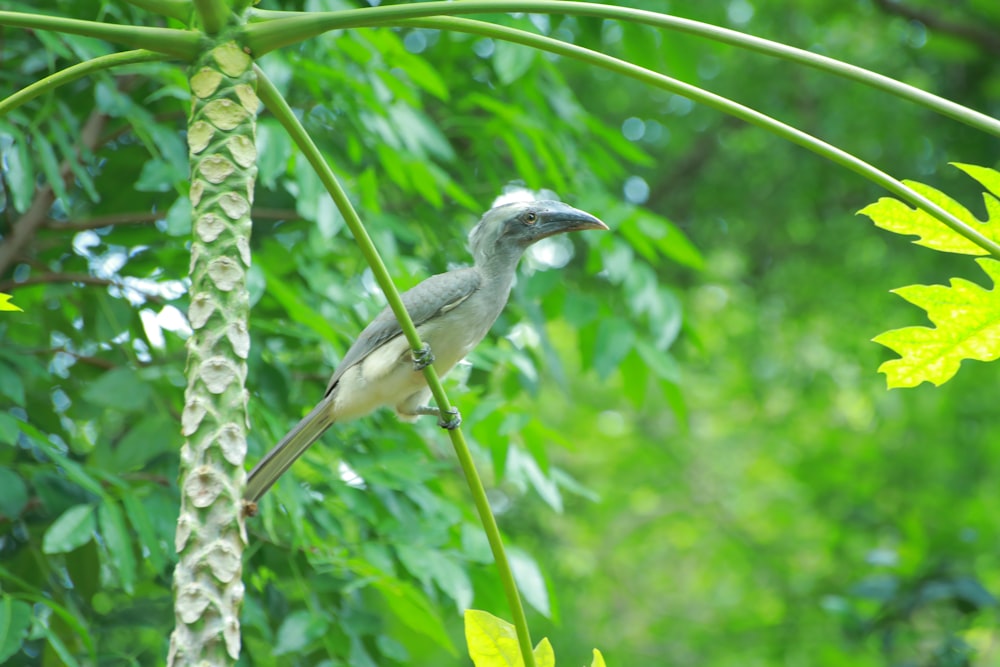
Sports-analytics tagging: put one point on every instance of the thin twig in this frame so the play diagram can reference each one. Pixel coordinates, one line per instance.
(82, 358)
(8, 286)
(148, 217)
(44, 278)
(104, 221)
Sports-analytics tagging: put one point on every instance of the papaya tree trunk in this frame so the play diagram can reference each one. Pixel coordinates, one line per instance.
(211, 533)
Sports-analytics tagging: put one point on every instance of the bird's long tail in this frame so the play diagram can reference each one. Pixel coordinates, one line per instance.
(292, 446)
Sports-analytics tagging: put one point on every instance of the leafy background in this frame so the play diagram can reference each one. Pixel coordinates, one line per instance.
(688, 447)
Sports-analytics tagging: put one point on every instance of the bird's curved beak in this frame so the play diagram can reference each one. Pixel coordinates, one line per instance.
(561, 219)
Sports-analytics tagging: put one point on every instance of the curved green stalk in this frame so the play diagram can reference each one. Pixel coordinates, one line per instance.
(281, 28)
(180, 43)
(273, 100)
(75, 72)
(214, 14)
(752, 116)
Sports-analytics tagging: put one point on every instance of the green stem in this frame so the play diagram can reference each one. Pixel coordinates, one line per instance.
(271, 98)
(175, 9)
(179, 43)
(281, 28)
(75, 72)
(752, 116)
(214, 14)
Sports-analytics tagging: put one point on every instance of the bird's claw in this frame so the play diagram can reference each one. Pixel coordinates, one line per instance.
(453, 421)
(422, 358)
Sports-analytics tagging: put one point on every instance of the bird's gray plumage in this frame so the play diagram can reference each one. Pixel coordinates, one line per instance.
(423, 301)
(452, 312)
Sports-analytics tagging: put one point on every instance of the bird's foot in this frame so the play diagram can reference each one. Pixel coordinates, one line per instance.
(422, 358)
(449, 419)
(453, 421)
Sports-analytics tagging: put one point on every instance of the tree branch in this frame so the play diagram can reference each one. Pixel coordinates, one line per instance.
(25, 228)
(147, 217)
(8, 286)
(81, 358)
(44, 278)
(985, 38)
(103, 221)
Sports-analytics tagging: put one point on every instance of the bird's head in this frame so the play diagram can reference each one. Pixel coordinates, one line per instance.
(508, 229)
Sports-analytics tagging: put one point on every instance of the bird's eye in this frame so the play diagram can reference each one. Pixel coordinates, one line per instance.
(530, 217)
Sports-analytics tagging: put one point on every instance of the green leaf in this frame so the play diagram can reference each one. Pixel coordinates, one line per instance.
(529, 580)
(149, 438)
(413, 609)
(72, 622)
(544, 655)
(119, 543)
(615, 338)
(298, 630)
(143, 526)
(453, 580)
(12, 386)
(420, 135)
(663, 364)
(895, 216)
(598, 660)
(310, 192)
(421, 73)
(14, 496)
(524, 469)
(297, 309)
(10, 429)
(670, 240)
(274, 151)
(492, 642)
(60, 648)
(110, 100)
(423, 181)
(61, 134)
(178, 217)
(70, 469)
(50, 165)
(433, 565)
(967, 326)
(616, 142)
(71, 530)
(988, 178)
(511, 61)
(19, 172)
(112, 316)
(120, 388)
(157, 175)
(15, 616)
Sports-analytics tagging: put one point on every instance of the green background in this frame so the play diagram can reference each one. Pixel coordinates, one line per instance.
(682, 429)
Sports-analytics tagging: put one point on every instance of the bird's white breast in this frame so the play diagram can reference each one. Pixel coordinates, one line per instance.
(387, 375)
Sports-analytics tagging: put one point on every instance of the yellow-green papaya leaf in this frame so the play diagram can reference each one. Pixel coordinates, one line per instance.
(989, 178)
(966, 321)
(544, 655)
(5, 303)
(598, 660)
(895, 216)
(493, 642)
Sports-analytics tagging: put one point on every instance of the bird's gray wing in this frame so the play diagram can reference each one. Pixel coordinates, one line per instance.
(438, 294)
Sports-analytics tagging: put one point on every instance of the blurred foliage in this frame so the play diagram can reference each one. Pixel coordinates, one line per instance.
(692, 456)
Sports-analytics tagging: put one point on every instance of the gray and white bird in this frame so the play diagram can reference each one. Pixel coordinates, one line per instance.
(452, 311)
